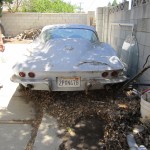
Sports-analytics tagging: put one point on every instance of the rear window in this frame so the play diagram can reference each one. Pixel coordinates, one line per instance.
(68, 33)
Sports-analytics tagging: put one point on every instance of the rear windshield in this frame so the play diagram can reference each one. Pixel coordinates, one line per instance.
(68, 33)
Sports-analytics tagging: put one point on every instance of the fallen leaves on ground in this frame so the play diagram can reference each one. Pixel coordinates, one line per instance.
(120, 115)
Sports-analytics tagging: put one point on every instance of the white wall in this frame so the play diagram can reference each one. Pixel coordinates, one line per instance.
(15, 23)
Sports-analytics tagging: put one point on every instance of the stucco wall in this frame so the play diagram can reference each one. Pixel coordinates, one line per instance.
(139, 16)
(15, 23)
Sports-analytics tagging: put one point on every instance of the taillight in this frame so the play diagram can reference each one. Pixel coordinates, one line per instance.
(31, 74)
(114, 74)
(22, 74)
(104, 74)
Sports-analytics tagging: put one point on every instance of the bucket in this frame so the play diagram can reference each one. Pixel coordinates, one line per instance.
(145, 105)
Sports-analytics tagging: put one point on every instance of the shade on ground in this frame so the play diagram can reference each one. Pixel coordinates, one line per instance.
(14, 136)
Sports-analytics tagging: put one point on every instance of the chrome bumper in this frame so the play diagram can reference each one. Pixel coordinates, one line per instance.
(51, 85)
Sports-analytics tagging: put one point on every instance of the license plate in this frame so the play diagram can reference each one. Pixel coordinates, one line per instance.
(68, 82)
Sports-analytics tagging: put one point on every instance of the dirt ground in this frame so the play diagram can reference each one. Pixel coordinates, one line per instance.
(92, 122)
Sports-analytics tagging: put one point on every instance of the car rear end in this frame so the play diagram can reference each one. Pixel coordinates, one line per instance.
(69, 81)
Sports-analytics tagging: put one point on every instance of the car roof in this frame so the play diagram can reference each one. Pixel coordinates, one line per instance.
(72, 26)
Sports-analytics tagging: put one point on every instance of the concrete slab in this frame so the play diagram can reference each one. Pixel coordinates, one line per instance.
(14, 137)
(6, 94)
(9, 87)
(12, 103)
(17, 109)
(47, 138)
(18, 92)
(8, 101)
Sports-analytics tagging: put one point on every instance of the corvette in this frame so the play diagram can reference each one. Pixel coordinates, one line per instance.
(68, 58)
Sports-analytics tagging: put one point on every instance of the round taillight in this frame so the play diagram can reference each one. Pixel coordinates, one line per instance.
(114, 74)
(22, 74)
(104, 74)
(31, 74)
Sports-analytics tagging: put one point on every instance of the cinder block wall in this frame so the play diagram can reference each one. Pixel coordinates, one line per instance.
(115, 34)
(15, 23)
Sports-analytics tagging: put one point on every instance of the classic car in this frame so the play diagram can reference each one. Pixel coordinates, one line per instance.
(68, 58)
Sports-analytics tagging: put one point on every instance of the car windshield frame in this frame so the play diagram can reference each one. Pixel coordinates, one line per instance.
(66, 33)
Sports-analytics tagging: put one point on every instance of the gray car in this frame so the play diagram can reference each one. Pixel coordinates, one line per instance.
(68, 58)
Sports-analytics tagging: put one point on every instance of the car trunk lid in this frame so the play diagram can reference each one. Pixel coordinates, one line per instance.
(72, 55)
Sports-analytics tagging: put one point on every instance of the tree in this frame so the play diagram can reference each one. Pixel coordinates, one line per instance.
(114, 3)
(47, 6)
(5, 1)
(14, 7)
(1, 5)
(109, 4)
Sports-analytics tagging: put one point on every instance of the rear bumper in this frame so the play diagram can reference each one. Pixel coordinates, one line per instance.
(51, 85)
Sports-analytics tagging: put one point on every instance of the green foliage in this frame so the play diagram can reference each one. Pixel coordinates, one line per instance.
(6, 1)
(47, 6)
(109, 4)
(114, 3)
(1, 4)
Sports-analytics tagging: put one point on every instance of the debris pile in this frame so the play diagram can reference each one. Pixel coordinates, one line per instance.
(119, 116)
(29, 34)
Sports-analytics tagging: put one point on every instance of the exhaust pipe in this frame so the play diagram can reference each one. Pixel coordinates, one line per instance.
(29, 87)
(107, 87)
